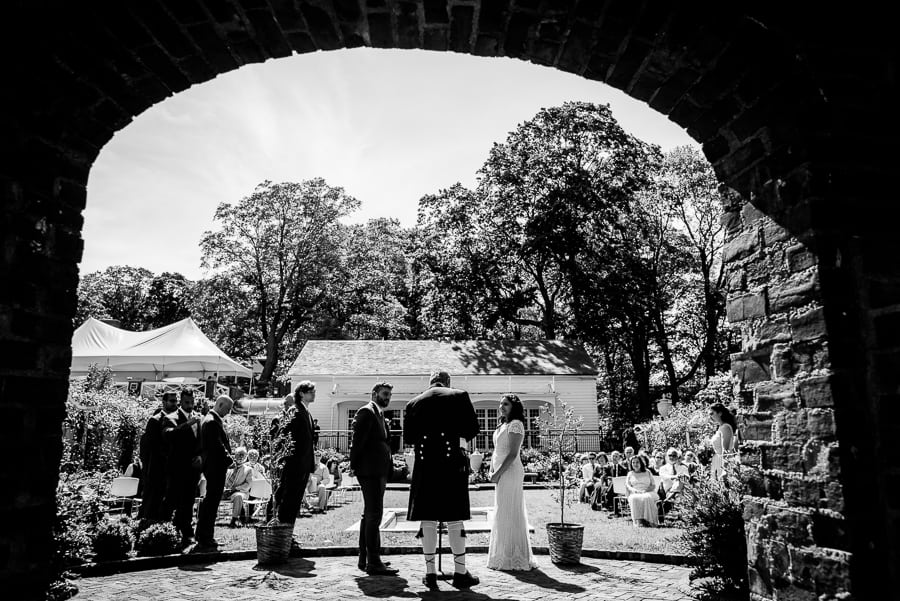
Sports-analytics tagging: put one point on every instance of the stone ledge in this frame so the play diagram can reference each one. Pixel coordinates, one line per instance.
(138, 564)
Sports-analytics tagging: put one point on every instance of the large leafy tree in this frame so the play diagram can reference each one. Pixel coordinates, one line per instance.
(282, 241)
(222, 307)
(366, 295)
(167, 299)
(118, 292)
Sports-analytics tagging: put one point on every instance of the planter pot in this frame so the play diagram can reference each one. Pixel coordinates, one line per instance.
(664, 407)
(475, 460)
(410, 461)
(565, 542)
(273, 544)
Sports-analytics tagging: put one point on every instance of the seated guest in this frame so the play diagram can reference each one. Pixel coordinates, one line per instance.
(334, 468)
(316, 486)
(690, 461)
(617, 466)
(625, 459)
(237, 486)
(259, 470)
(587, 479)
(642, 495)
(672, 476)
(657, 460)
(602, 498)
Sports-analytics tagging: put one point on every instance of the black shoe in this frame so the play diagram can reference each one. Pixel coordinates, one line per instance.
(430, 580)
(362, 565)
(381, 570)
(465, 580)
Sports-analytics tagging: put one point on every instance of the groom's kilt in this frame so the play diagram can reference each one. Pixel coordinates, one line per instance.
(440, 481)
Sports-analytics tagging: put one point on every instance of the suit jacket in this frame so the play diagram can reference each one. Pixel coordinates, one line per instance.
(215, 449)
(435, 421)
(153, 447)
(183, 443)
(301, 432)
(370, 449)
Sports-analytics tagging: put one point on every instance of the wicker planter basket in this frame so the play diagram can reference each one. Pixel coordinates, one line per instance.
(273, 543)
(565, 542)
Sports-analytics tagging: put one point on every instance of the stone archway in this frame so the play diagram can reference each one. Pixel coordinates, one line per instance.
(791, 109)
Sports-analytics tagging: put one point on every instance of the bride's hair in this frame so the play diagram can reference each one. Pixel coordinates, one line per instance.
(516, 411)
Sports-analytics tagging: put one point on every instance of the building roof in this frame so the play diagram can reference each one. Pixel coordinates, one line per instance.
(420, 357)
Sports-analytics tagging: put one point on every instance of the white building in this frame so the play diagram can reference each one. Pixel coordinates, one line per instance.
(539, 372)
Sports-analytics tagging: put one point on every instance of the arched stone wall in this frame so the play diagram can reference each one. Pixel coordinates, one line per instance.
(791, 106)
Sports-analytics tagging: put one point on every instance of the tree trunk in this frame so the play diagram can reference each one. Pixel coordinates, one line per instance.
(662, 339)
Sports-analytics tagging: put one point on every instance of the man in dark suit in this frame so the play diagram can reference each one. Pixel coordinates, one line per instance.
(215, 451)
(438, 422)
(301, 462)
(153, 460)
(370, 460)
(181, 430)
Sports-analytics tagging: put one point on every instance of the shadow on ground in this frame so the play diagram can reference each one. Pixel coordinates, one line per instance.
(543, 580)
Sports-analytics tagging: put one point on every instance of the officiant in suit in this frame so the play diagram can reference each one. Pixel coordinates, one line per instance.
(370, 460)
(301, 462)
(438, 422)
(215, 451)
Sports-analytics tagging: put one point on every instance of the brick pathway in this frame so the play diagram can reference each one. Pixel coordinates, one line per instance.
(337, 579)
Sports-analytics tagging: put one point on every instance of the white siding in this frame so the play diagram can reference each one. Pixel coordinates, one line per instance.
(336, 394)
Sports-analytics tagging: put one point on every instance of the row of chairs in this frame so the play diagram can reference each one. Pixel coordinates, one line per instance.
(123, 491)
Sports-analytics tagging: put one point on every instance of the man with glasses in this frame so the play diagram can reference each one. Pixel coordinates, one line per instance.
(673, 475)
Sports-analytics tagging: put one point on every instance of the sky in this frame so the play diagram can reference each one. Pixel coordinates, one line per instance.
(389, 126)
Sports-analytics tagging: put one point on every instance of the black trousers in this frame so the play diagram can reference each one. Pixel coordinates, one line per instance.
(372, 488)
(289, 493)
(181, 491)
(154, 493)
(209, 506)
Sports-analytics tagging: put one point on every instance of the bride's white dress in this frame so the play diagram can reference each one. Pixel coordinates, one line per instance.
(509, 547)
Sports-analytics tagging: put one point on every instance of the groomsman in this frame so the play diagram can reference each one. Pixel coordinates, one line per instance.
(437, 422)
(215, 451)
(153, 460)
(182, 433)
(301, 462)
(370, 460)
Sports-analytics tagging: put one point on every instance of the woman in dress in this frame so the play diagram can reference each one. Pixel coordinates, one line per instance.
(642, 495)
(723, 441)
(509, 547)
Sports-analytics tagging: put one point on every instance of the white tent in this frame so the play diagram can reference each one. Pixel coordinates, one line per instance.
(176, 350)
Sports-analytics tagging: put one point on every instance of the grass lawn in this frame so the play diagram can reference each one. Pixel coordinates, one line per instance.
(327, 529)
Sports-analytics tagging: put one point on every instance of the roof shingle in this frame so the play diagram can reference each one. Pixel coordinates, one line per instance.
(420, 357)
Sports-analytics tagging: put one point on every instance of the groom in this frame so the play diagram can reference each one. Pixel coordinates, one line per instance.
(438, 422)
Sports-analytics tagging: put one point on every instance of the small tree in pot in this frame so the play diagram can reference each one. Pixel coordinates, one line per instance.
(561, 427)
(273, 539)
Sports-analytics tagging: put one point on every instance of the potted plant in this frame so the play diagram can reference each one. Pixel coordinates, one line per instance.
(562, 427)
(273, 539)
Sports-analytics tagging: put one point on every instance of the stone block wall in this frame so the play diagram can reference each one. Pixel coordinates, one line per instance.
(797, 540)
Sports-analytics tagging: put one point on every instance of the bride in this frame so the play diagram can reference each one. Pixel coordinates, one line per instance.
(509, 548)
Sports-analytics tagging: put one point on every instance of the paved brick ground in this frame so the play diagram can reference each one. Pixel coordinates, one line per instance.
(336, 578)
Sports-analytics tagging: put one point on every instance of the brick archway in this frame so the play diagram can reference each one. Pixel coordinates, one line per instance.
(791, 109)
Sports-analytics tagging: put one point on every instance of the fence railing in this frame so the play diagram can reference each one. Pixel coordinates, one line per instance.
(534, 439)
(151, 390)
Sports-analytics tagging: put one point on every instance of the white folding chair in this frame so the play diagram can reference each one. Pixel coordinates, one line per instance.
(620, 493)
(121, 490)
(260, 492)
(350, 485)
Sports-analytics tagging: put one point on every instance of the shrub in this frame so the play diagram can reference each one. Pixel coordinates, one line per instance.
(158, 539)
(712, 517)
(103, 425)
(113, 539)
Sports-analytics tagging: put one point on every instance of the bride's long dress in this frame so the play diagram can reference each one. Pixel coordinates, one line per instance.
(509, 547)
